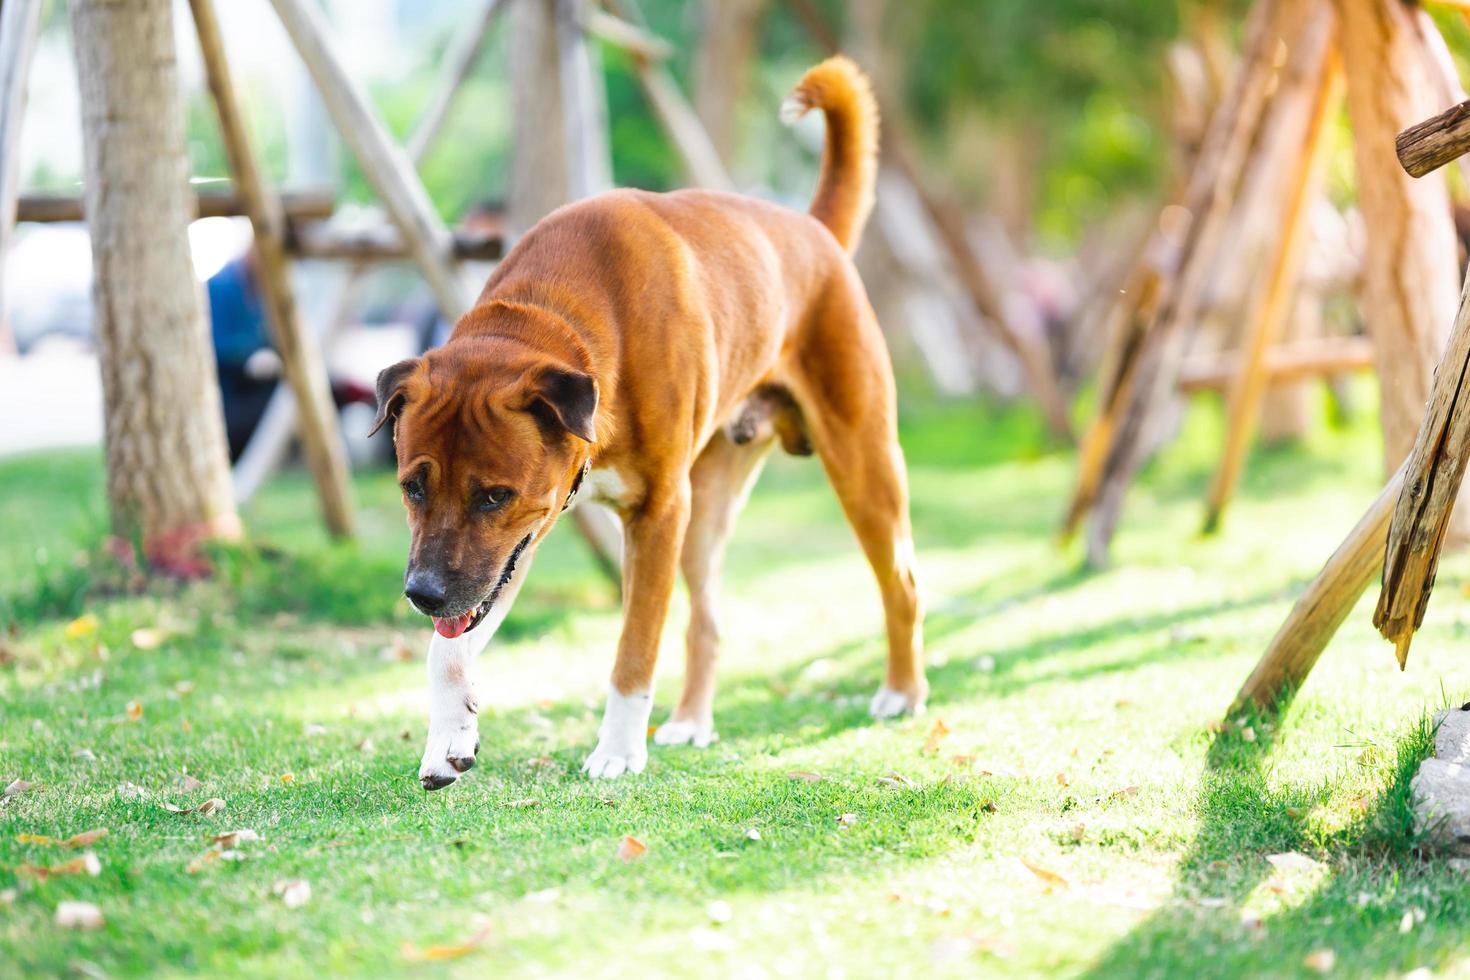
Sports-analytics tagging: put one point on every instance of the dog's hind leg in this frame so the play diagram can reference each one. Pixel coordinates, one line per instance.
(720, 482)
(843, 382)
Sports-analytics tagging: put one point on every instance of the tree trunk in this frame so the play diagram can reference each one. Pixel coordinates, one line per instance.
(725, 49)
(1410, 274)
(168, 478)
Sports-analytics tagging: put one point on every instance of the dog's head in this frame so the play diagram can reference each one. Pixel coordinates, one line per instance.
(489, 448)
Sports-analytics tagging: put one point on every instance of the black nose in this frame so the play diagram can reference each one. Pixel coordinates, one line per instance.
(425, 590)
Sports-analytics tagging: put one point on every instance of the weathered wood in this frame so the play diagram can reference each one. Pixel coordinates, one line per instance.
(301, 360)
(20, 22)
(1320, 71)
(1319, 358)
(723, 67)
(1315, 618)
(459, 61)
(384, 243)
(298, 206)
(167, 466)
(384, 163)
(1425, 147)
(1432, 478)
(630, 37)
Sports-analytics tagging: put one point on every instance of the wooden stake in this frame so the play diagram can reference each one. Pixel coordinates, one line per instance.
(383, 163)
(1319, 357)
(304, 368)
(298, 206)
(1249, 386)
(1432, 480)
(20, 22)
(1315, 618)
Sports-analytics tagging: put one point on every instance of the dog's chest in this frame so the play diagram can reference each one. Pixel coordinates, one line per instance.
(607, 487)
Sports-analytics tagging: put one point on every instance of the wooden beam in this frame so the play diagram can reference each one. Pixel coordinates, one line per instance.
(1434, 472)
(1247, 390)
(1425, 147)
(1319, 358)
(631, 38)
(384, 243)
(385, 165)
(305, 370)
(1315, 618)
(20, 23)
(298, 206)
(459, 61)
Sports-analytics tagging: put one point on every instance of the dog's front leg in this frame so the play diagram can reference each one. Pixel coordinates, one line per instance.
(454, 711)
(655, 534)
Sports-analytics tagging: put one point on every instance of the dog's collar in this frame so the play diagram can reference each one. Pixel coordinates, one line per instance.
(577, 482)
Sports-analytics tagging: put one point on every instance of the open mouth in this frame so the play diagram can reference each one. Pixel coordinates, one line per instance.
(449, 628)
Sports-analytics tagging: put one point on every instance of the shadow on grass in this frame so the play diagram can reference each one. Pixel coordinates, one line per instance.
(1373, 877)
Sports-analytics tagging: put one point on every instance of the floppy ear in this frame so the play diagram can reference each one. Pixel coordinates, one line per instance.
(568, 397)
(390, 391)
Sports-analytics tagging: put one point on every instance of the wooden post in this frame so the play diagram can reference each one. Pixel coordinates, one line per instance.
(459, 61)
(20, 22)
(1432, 479)
(1327, 601)
(1425, 147)
(1322, 70)
(383, 163)
(301, 359)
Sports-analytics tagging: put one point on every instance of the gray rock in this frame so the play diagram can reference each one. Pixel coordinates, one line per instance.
(1452, 739)
(1442, 804)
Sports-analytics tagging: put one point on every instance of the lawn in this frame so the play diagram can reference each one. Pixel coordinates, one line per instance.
(1069, 805)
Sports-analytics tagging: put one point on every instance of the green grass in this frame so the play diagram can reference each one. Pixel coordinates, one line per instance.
(1080, 709)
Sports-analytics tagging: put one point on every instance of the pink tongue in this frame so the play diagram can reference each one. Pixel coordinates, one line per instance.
(450, 628)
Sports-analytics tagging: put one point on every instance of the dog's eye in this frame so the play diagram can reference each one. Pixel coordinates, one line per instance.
(493, 499)
(413, 489)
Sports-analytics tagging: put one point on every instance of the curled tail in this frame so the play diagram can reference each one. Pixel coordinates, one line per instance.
(850, 159)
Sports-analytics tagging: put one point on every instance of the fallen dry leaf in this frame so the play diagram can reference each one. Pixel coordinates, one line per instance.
(85, 864)
(846, 819)
(1293, 861)
(148, 637)
(17, 787)
(186, 783)
(804, 776)
(293, 892)
(84, 838)
(1050, 877)
(1322, 961)
(631, 848)
(521, 804)
(81, 627)
(233, 838)
(896, 780)
(130, 791)
(35, 839)
(78, 915)
(409, 952)
(215, 853)
(936, 735)
(1063, 780)
(135, 711)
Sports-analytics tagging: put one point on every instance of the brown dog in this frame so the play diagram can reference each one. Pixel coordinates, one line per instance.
(662, 343)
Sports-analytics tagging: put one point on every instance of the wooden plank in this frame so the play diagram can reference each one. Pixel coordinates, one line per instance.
(1433, 473)
(1315, 618)
(385, 165)
(305, 370)
(1248, 388)
(384, 243)
(298, 206)
(1319, 358)
(459, 61)
(1425, 147)
(620, 34)
(20, 22)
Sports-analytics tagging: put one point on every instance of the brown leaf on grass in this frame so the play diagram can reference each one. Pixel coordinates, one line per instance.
(233, 838)
(130, 791)
(896, 780)
(1051, 878)
(804, 776)
(215, 853)
(451, 952)
(1294, 861)
(85, 864)
(148, 637)
(1120, 793)
(35, 839)
(135, 711)
(521, 804)
(84, 838)
(1063, 779)
(213, 805)
(1321, 961)
(293, 892)
(631, 848)
(186, 783)
(937, 734)
(17, 787)
(78, 915)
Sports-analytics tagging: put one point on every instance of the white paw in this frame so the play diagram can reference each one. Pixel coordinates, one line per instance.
(888, 703)
(675, 732)
(610, 763)
(622, 741)
(450, 750)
